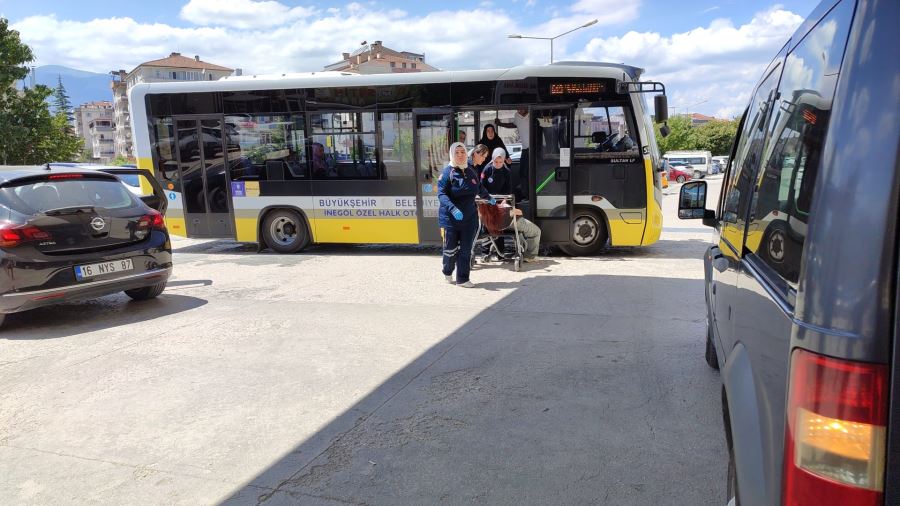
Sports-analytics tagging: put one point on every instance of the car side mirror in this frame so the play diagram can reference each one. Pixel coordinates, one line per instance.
(692, 202)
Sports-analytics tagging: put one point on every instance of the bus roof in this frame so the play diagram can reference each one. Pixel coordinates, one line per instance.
(330, 79)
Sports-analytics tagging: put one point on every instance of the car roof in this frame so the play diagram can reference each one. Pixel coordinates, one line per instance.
(13, 172)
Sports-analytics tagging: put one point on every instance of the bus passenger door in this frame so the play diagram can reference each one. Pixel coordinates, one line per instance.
(205, 186)
(552, 162)
(432, 150)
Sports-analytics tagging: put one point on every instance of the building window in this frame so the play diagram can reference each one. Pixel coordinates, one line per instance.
(174, 75)
(393, 64)
(404, 64)
(413, 65)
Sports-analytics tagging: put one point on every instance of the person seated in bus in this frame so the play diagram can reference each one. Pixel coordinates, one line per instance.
(462, 137)
(497, 180)
(625, 143)
(457, 215)
(493, 141)
(319, 166)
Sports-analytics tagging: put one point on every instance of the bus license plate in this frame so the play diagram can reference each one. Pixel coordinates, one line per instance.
(91, 270)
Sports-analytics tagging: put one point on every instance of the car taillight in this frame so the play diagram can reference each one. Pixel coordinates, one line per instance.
(12, 236)
(152, 220)
(56, 177)
(835, 438)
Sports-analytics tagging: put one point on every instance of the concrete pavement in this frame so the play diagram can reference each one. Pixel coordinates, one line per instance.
(354, 375)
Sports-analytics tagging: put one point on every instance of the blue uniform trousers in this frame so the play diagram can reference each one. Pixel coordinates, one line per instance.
(458, 243)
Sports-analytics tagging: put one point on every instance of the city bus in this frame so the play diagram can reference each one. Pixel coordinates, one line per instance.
(329, 157)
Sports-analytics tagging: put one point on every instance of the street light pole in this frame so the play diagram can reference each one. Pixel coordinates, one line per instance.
(551, 39)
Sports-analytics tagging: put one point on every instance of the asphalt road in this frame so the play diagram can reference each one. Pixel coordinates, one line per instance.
(354, 375)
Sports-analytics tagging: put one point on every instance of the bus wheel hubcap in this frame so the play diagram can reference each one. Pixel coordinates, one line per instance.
(585, 230)
(284, 230)
(776, 246)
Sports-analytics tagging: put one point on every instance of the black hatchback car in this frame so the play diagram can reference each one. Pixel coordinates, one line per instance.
(803, 277)
(69, 233)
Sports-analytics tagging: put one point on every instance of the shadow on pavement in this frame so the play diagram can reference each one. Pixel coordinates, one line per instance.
(108, 312)
(570, 390)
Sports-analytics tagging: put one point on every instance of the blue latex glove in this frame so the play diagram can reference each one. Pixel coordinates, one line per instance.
(457, 214)
(492, 201)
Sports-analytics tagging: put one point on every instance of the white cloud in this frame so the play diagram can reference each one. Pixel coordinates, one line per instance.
(242, 13)
(718, 63)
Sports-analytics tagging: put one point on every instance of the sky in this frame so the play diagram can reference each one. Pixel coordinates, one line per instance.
(709, 53)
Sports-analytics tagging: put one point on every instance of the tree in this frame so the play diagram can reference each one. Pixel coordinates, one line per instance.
(679, 137)
(715, 136)
(13, 56)
(61, 103)
(29, 134)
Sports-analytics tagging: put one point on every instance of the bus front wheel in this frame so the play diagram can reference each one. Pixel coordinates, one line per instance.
(589, 234)
(284, 230)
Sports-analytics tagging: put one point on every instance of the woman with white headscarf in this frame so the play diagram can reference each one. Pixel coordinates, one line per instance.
(458, 186)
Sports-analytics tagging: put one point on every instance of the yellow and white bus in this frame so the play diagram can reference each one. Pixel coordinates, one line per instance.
(329, 157)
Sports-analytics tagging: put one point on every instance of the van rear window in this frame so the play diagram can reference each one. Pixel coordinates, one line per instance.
(39, 196)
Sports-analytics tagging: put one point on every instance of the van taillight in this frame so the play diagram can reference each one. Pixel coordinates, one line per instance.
(12, 236)
(835, 439)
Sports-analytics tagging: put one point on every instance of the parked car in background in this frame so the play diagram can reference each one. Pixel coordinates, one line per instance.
(679, 173)
(723, 161)
(72, 233)
(801, 281)
(700, 161)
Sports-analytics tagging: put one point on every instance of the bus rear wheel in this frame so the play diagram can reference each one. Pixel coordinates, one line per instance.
(284, 230)
(589, 234)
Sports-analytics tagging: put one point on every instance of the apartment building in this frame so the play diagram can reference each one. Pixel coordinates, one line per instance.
(375, 58)
(102, 139)
(94, 119)
(174, 67)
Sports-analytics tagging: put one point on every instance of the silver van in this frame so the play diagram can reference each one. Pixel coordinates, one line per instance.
(803, 276)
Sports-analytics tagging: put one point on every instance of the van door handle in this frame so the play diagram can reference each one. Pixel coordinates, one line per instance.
(720, 263)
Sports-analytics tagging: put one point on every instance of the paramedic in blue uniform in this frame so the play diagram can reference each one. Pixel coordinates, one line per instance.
(458, 186)
(497, 179)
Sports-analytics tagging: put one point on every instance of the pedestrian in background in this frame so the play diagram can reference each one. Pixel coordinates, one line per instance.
(458, 185)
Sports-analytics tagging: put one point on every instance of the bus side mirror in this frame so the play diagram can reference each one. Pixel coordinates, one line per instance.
(661, 108)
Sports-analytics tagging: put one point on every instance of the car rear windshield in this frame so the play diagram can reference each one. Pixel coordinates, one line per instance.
(39, 196)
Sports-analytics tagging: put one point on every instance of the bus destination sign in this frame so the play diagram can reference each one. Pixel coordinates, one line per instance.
(576, 88)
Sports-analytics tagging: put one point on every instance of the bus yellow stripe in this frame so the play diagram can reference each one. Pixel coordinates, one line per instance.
(329, 230)
(366, 230)
(654, 225)
(245, 229)
(176, 225)
(145, 163)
